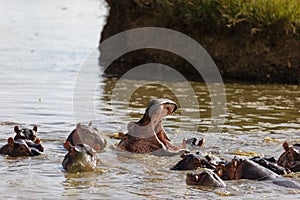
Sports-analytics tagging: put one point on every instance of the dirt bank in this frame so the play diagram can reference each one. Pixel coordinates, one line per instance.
(241, 53)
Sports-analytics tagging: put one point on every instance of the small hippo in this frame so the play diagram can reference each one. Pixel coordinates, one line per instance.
(26, 134)
(20, 147)
(271, 164)
(86, 135)
(205, 178)
(80, 158)
(193, 161)
(248, 169)
(148, 135)
(291, 157)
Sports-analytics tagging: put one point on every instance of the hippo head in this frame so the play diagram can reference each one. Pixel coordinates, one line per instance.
(80, 158)
(151, 122)
(26, 134)
(87, 135)
(227, 171)
(290, 158)
(18, 147)
(205, 178)
(191, 162)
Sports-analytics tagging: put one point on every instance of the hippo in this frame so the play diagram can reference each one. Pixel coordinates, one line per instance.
(21, 147)
(147, 136)
(205, 178)
(271, 164)
(86, 135)
(26, 134)
(193, 161)
(80, 158)
(290, 158)
(239, 168)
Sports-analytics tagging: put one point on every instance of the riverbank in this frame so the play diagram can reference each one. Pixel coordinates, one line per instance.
(259, 46)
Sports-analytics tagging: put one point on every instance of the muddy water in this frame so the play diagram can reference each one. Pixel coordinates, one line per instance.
(42, 48)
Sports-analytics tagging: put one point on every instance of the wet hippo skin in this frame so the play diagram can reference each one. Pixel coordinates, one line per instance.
(193, 161)
(271, 164)
(205, 178)
(247, 169)
(80, 158)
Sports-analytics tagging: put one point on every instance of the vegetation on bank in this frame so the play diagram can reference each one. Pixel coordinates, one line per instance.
(257, 15)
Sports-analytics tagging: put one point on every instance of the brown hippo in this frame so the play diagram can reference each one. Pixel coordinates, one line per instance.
(80, 158)
(193, 161)
(86, 135)
(148, 135)
(205, 178)
(290, 158)
(21, 147)
(248, 169)
(26, 134)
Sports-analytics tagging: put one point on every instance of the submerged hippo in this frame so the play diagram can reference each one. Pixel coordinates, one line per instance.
(86, 135)
(205, 178)
(247, 169)
(290, 158)
(80, 158)
(271, 164)
(21, 147)
(26, 134)
(148, 135)
(193, 161)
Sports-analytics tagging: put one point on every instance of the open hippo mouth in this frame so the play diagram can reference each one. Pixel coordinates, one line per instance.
(151, 123)
(148, 135)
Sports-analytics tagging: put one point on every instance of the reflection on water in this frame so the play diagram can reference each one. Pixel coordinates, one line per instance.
(38, 73)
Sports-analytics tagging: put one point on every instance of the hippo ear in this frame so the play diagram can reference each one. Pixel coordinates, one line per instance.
(67, 145)
(16, 129)
(219, 172)
(37, 141)
(285, 146)
(10, 141)
(196, 178)
(91, 122)
(78, 126)
(234, 163)
(35, 128)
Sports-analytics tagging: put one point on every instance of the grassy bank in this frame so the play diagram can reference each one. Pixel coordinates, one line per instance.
(249, 40)
(257, 15)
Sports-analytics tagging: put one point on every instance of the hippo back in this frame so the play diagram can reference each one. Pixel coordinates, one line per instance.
(251, 170)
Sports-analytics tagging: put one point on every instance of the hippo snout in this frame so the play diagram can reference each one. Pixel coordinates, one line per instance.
(205, 178)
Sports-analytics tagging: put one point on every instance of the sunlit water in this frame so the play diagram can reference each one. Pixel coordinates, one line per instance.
(43, 46)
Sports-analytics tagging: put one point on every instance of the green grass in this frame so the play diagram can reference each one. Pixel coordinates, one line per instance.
(261, 15)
